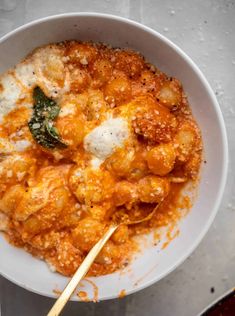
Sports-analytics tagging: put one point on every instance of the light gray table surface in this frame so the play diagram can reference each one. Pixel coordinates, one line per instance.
(204, 29)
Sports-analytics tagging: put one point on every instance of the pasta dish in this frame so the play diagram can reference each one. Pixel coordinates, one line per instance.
(88, 133)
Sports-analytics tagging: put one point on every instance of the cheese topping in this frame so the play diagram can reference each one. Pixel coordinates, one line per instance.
(21, 145)
(70, 108)
(7, 147)
(104, 139)
(25, 72)
(9, 94)
(50, 71)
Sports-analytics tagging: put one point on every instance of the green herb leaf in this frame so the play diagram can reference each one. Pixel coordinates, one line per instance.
(45, 110)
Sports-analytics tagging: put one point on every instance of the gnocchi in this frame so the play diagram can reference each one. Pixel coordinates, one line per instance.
(170, 94)
(161, 159)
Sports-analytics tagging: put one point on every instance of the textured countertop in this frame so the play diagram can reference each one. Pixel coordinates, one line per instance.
(204, 29)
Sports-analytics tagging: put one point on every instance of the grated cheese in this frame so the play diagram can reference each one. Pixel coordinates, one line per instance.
(84, 61)
(5, 146)
(20, 175)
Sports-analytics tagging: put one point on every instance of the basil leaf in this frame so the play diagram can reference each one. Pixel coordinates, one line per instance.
(45, 110)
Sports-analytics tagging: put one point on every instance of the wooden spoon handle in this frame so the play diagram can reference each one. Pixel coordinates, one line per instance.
(80, 273)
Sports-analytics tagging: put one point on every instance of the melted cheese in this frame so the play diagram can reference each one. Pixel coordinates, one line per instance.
(103, 140)
(69, 109)
(9, 95)
(7, 147)
(96, 162)
(51, 58)
(19, 83)
(22, 145)
(25, 73)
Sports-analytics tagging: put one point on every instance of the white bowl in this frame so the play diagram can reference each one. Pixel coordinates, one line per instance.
(151, 265)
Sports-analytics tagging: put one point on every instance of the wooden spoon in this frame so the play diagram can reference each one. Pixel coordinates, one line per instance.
(84, 267)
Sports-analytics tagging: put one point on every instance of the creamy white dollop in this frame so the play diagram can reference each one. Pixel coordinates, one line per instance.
(9, 94)
(25, 72)
(7, 147)
(103, 140)
(69, 109)
(18, 83)
(21, 145)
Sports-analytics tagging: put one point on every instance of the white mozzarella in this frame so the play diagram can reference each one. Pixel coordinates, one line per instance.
(103, 140)
(7, 147)
(9, 94)
(68, 109)
(25, 73)
(96, 162)
(42, 58)
(21, 145)
(3, 222)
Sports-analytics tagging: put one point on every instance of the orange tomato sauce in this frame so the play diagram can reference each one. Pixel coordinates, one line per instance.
(56, 203)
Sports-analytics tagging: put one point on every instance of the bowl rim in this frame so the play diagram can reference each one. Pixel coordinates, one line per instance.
(217, 110)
